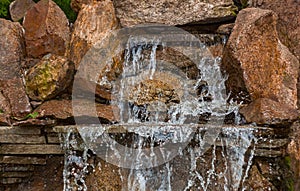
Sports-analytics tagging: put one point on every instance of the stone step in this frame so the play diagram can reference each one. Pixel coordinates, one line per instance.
(7, 174)
(15, 168)
(25, 149)
(11, 180)
(24, 139)
(23, 160)
(4, 130)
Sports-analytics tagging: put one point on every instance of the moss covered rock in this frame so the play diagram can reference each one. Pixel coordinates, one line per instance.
(52, 75)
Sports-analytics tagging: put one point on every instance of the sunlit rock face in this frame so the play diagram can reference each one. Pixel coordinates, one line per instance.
(288, 25)
(92, 25)
(172, 12)
(258, 64)
(46, 29)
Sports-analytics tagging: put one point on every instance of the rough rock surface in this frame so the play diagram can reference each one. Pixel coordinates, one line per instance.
(18, 8)
(11, 44)
(78, 4)
(14, 90)
(92, 24)
(257, 62)
(266, 111)
(258, 182)
(5, 111)
(101, 178)
(288, 26)
(172, 12)
(11, 53)
(294, 152)
(46, 29)
(47, 79)
(63, 109)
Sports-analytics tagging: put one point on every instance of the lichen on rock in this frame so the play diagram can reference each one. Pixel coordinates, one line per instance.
(52, 75)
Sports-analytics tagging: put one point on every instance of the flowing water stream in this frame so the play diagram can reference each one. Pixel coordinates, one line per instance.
(163, 147)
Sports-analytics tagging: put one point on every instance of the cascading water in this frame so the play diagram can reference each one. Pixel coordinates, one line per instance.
(161, 108)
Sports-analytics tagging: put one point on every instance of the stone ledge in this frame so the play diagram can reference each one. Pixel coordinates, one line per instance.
(23, 149)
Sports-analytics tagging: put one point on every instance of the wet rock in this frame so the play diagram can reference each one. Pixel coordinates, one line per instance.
(288, 25)
(93, 23)
(14, 91)
(18, 8)
(51, 76)
(46, 29)
(96, 77)
(266, 111)
(102, 176)
(257, 63)
(257, 182)
(173, 12)
(63, 109)
(12, 47)
(293, 150)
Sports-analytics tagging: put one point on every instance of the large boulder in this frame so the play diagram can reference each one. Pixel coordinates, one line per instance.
(172, 12)
(18, 8)
(93, 23)
(288, 25)
(46, 29)
(11, 53)
(51, 76)
(257, 63)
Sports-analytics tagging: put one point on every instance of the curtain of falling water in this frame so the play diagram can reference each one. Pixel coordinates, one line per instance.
(201, 171)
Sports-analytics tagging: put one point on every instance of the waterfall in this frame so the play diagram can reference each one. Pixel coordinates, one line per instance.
(161, 108)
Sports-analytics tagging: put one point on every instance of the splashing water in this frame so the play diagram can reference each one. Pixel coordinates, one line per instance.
(169, 151)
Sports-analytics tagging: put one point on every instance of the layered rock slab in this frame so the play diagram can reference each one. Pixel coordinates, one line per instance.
(172, 12)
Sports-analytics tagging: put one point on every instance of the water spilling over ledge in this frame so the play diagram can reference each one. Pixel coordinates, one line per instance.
(224, 162)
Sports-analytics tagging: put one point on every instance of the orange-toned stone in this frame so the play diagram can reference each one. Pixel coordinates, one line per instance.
(257, 63)
(46, 29)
